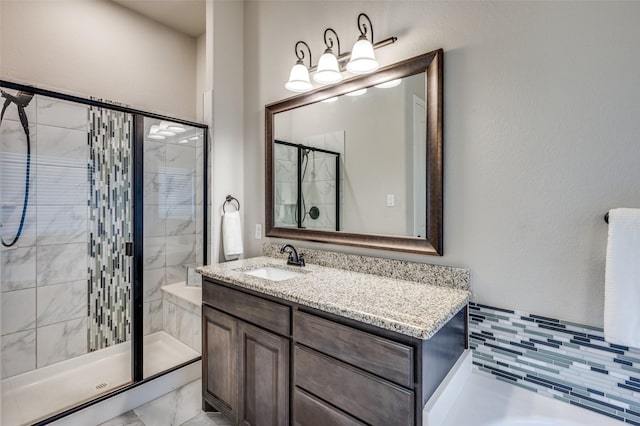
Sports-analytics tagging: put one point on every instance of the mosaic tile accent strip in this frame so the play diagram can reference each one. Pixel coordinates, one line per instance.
(560, 359)
(444, 276)
(110, 227)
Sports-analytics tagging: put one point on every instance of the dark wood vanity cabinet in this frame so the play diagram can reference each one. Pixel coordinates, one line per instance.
(245, 371)
(267, 361)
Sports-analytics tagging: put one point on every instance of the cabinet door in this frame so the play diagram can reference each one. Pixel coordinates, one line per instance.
(264, 377)
(220, 382)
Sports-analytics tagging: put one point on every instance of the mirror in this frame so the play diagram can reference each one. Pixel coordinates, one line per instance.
(360, 170)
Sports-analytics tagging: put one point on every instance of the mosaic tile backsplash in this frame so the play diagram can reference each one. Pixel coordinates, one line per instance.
(110, 224)
(566, 361)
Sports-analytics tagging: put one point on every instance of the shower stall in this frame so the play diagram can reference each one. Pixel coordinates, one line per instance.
(101, 207)
(307, 182)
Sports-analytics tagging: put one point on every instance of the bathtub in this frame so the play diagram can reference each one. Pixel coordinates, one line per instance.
(467, 398)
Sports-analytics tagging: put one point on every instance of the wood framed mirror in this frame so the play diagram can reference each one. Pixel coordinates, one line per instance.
(365, 170)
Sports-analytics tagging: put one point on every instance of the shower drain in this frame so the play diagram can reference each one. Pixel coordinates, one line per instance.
(102, 385)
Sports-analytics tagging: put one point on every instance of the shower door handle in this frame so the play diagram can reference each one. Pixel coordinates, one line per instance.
(128, 248)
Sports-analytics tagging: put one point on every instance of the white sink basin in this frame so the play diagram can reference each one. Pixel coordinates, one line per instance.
(273, 274)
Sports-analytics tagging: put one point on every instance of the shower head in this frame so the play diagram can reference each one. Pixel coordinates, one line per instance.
(21, 99)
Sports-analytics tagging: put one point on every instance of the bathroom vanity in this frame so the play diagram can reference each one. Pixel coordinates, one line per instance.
(320, 346)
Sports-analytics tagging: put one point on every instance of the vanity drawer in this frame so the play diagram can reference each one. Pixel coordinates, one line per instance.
(310, 411)
(385, 358)
(256, 310)
(368, 398)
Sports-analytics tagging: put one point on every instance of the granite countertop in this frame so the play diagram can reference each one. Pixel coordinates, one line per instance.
(410, 308)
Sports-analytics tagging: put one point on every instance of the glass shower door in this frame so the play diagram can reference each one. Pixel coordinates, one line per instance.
(66, 276)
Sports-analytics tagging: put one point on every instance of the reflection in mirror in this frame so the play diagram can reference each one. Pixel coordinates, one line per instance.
(360, 163)
(378, 138)
(307, 182)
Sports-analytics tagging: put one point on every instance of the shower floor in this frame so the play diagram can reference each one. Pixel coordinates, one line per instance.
(38, 394)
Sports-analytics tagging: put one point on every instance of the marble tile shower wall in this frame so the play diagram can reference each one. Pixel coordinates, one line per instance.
(44, 296)
(563, 360)
(319, 185)
(173, 220)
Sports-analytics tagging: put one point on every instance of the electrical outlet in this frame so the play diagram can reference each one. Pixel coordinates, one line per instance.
(258, 231)
(391, 200)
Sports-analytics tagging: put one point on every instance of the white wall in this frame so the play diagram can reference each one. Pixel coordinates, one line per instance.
(227, 150)
(98, 48)
(541, 131)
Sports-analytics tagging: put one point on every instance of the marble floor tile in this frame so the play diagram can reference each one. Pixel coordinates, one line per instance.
(127, 419)
(208, 419)
(174, 408)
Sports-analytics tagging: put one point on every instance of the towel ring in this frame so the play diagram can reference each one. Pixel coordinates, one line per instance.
(228, 200)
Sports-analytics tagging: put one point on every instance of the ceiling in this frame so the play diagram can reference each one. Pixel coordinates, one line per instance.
(186, 16)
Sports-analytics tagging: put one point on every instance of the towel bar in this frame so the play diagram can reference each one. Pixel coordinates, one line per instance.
(228, 200)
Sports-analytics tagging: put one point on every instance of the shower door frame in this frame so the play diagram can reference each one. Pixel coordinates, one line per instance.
(300, 147)
(137, 333)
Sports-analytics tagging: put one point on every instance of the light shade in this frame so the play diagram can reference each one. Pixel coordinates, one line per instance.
(299, 79)
(388, 84)
(357, 92)
(363, 60)
(328, 69)
(154, 133)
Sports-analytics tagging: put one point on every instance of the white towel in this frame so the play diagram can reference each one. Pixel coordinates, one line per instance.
(622, 279)
(231, 235)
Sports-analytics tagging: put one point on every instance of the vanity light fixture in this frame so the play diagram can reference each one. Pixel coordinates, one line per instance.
(299, 75)
(176, 128)
(357, 92)
(328, 71)
(183, 141)
(154, 133)
(363, 60)
(163, 129)
(389, 84)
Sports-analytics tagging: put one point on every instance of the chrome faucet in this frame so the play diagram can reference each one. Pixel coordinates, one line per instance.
(294, 258)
